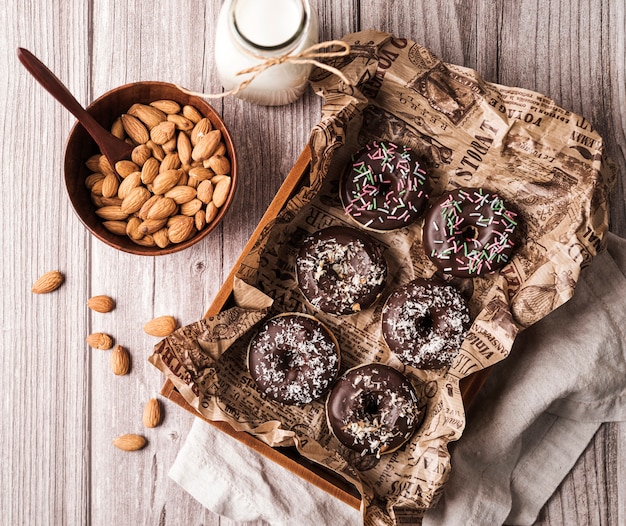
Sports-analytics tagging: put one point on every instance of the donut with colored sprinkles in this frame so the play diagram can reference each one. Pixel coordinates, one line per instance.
(424, 323)
(470, 232)
(373, 409)
(293, 358)
(384, 187)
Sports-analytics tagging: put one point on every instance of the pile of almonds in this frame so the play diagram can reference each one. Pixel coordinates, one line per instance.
(120, 358)
(176, 181)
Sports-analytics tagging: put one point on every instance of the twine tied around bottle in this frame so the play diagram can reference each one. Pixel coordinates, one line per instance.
(309, 55)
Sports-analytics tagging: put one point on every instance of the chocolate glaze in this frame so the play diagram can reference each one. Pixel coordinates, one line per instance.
(293, 358)
(469, 232)
(340, 270)
(384, 187)
(373, 409)
(424, 323)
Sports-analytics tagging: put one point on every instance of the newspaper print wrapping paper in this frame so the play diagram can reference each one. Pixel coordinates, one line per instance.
(546, 160)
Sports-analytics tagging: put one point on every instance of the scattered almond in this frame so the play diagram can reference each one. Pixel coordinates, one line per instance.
(162, 132)
(129, 442)
(48, 282)
(101, 303)
(161, 326)
(152, 413)
(100, 340)
(120, 361)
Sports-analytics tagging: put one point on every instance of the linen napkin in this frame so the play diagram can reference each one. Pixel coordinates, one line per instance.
(535, 415)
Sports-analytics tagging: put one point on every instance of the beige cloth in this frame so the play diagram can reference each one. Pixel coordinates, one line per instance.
(534, 417)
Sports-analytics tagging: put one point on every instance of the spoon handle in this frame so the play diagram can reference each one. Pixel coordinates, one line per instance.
(56, 88)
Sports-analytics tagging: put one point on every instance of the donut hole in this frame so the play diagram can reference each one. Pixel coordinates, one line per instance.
(470, 233)
(370, 406)
(425, 324)
(385, 188)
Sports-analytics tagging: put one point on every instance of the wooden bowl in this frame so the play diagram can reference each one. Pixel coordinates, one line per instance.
(80, 146)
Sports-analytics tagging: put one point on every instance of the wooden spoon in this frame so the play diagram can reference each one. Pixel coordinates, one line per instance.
(113, 148)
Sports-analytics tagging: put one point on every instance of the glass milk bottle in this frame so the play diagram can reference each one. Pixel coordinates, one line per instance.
(252, 31)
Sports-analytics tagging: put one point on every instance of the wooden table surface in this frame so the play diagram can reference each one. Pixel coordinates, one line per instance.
(62, 405)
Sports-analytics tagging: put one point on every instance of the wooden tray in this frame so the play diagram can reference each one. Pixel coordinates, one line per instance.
(288, 457)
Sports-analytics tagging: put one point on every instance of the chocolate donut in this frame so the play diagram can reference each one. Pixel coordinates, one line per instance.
(340, 270)
(373, 409)
(384, 187)
(469, 232)
(293, 358)
(424, 323)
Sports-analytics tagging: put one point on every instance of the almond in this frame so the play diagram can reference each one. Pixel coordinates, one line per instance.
(140, 154)
(180, 228)
(161, 326)
(206, 146)
(183, 144)
(149, 115)
(105, 166)
(211, 212)
(132, 228)
(150, 226)
(48, 282)
(190, 208)
(100, 340)
(110, 185)
(220, 192)
(200, 219)
(135, 199)
(170, 162)
(111, 213)
(131, 181)
(135, 129)
(156, 149)
(205, 191)
(117, 129)
(191, 113)
(115, 227)
(162, 132)
(152, 413)
(93, 163)
(162, 208)
(101, 303)
(181, 122)
(166, 106)
(181, 194)
(160, 237)
(166, 181)
(129, 442)
(92, 179)
(170, 146)
(219, 164)
(146, 241)
(149, 170)
(202, 127)
(120, 361)
(125, 168)
(143, 211)
(200, 173)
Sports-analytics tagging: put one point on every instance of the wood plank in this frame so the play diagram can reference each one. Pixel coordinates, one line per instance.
(44, 364)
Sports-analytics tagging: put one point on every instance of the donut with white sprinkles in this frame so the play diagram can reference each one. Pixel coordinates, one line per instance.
(470, 232)
(340, 270)
(293, 358)
(424, 323)
(385, 187)
(373, 409)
